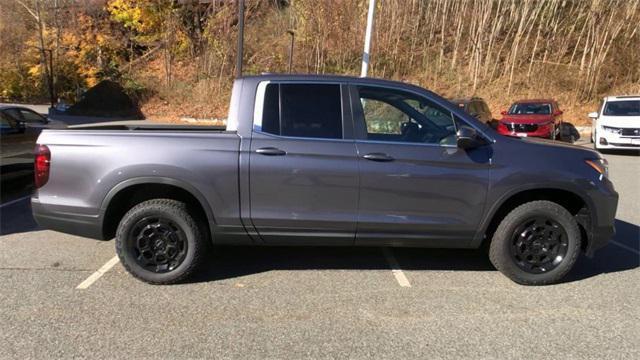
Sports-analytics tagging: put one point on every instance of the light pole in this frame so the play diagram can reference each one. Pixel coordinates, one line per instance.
(367, 39)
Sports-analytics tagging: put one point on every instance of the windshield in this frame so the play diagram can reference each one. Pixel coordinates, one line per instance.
(529, 109)
(622, 108)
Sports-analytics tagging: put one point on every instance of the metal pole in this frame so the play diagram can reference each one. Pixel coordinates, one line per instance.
(240, 38)
(367, 39)
(292, 33)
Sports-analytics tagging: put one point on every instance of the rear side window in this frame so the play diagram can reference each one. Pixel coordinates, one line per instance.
(29, 116)
(303, 110)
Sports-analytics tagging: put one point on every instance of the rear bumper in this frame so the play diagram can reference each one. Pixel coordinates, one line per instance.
(74, 224)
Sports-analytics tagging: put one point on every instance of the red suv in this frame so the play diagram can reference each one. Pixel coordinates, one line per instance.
(539, 118)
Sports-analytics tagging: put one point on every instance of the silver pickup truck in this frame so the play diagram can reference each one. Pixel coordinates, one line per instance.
(325, 160)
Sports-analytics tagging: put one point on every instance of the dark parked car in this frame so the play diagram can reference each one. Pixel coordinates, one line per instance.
(19, 129)
(478, 108)
(325, 160)
(533, 118)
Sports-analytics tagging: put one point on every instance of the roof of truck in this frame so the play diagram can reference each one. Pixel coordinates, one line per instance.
(328, 78)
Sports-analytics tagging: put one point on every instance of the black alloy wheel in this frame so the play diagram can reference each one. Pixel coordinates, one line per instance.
(162, 241)
(539, 244)
(158, 244)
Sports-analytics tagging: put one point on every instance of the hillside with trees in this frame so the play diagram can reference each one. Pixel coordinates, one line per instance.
(177, 57)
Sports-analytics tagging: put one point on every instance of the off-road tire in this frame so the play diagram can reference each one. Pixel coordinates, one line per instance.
(500, 252)
(176, 212)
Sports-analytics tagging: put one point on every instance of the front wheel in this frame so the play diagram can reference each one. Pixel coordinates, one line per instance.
(536, 244)
(159, 242)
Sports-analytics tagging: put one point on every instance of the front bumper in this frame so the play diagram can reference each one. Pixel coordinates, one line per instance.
(541, 131)
(602, 220)
(608, 140)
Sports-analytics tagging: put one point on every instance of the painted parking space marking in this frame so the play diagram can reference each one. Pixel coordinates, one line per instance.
(395, 268)
(625, 247)
(98, 274)
(14, 201)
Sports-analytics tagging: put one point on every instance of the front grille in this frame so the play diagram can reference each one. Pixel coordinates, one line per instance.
(522, 127)
(630, 132)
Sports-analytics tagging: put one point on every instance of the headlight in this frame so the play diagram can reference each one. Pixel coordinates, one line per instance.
(599, 165)
(613, 130)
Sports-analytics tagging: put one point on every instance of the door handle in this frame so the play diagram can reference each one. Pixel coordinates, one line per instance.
(271, 151)
(378, 157)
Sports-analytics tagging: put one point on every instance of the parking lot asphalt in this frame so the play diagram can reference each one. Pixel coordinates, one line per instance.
(316, 302)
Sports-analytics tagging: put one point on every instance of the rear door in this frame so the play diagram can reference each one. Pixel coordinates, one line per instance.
(416, 186)
(303, 167)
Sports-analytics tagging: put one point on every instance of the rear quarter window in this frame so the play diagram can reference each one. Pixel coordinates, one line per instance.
(303, 110)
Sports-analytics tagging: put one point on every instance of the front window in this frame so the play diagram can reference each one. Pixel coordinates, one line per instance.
(398, 116)
(622, 108)
(530, 109)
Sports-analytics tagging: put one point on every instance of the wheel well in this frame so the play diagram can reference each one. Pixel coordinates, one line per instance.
(130, 196)
(570, 201)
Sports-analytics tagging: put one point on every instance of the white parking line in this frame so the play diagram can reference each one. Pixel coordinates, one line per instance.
(14, 201)
(98, 274)
(625, 247)
(395, 268)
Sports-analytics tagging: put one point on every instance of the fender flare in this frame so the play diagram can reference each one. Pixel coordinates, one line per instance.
(161, 181)
(493, 210)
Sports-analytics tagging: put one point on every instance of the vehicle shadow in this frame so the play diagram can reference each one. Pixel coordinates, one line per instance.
(621, 254)
(625, 152)
(15, 214)
(230, 262)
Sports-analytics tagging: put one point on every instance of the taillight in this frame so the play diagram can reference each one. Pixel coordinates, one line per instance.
(41, 165)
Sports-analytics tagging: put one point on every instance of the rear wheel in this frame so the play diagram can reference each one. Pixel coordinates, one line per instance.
(536, 244)
(159, 242)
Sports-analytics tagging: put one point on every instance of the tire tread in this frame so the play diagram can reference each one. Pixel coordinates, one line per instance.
(178, 209)
(502, 261)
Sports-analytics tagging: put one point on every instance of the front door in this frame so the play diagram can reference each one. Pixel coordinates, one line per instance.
(303, 165)
(416, 186)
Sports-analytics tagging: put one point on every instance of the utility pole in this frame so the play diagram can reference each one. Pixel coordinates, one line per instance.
(293, 34)
(240, 38)
(366, 55)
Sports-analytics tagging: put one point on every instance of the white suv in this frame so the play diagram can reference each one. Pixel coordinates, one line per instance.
(617, 125)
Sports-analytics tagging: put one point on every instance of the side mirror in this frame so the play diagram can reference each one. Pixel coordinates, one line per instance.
(467, 138)
(593, 115)
(559, 112)
(503, 112)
